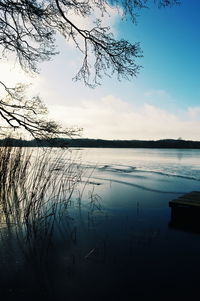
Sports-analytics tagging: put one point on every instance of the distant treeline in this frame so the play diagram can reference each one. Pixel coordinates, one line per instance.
(82, 142)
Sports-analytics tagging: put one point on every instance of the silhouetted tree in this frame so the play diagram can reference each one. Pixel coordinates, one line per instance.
(28, 29)
(19, 111)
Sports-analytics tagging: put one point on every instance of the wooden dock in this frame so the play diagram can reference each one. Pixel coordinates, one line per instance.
(185, 212)
(189, 200)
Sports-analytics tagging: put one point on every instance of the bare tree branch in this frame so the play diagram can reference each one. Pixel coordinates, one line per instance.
(30, 114)
(28, 29)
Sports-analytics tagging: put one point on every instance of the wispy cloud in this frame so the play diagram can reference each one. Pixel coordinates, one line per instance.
(157, 93)
(112, 118)
(108, 19)
(194, 112)
(11, 74)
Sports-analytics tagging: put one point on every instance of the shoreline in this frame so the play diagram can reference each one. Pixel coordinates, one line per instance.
(101, 143)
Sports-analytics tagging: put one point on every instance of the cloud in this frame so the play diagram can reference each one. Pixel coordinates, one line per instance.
(12, 74)
(194, 112)
(112, 118)
(108, 19)
(157, 93)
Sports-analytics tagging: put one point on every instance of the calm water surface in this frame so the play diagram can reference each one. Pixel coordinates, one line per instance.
(118, 243)
(132, 249)
(180, 162)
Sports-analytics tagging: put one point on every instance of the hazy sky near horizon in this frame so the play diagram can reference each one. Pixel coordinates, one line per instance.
(163, 101)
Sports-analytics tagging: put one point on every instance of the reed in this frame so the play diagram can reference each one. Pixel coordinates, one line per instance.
(36, 190)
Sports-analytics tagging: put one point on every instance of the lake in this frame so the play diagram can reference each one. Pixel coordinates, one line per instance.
(116, 240)
(178, 162)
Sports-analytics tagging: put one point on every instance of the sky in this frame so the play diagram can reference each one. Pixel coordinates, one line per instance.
(162, 102)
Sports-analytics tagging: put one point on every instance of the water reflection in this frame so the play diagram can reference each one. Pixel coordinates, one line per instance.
(185, 219)
(180, 155)
(105, 241)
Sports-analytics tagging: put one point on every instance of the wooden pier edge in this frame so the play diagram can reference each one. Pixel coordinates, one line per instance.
(190, 200)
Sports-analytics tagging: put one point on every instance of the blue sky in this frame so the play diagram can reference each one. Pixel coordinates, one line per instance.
(171, 44)
(163, 101)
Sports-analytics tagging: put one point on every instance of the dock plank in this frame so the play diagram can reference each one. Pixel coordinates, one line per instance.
(191, 199)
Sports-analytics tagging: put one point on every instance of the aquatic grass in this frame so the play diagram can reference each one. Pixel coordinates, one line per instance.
(44, 204)
(35, 191)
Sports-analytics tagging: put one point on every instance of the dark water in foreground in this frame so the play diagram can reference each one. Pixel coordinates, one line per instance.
(117, 244)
